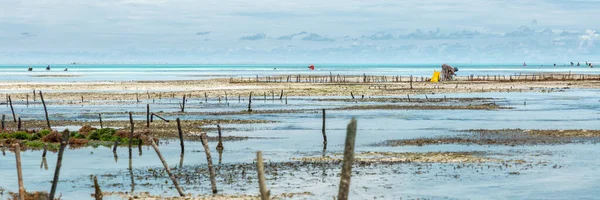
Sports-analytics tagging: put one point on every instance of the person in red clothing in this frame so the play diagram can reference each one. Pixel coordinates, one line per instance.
(311, 67)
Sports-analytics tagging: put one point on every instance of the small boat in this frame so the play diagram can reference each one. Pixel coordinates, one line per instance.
(48, 67)
(30, 68)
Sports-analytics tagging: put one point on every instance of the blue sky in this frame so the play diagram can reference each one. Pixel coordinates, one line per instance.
(307, 31)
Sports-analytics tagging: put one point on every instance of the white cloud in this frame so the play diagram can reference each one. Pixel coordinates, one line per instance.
(143, 29)
(258, 36)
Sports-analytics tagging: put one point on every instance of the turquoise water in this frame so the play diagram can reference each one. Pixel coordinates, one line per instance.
(127, 72)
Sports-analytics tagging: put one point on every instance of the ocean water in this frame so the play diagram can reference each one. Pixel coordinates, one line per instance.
(138, 72)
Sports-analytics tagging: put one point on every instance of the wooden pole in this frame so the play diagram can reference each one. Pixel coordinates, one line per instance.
(115, 147)
(183, 104)
(11, 109)
(19, 124)
(220, 145)
(100, 116)
(323, 130)
(205, 98)
(45, 110)
(34, 95)
(27, 102)
(154, 114)
(97, 191)
(351, 94)
(209, 161)
(411, 82)
(250, 103)
(180, 135)
(3, 116)
(130, 139)
(19, 171)
(147, 115)
(45, 150)
(173, 178)
(348, 160)
(264, 193)
(63, 145)
(281, 95)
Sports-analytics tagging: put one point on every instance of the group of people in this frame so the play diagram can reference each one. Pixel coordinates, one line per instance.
(47, 68)
(586, 64)
(589, 64)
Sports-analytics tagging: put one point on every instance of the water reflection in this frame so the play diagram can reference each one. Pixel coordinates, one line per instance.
(44, 164)
(131, 174)
(116, 157)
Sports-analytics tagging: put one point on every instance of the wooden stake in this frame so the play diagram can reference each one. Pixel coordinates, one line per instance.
(19, 171)
(19, 124)
(183, 104)
(45, 110)
(209, 161)
(3, 116)
(220, 145)
(323, 130)
(147, 115)
(154, 114)
(115, 147)
(130, 134)
(250, 103)
(264, 193)
(281, 95)
(100, 117)
(97, 191)
(34, 95)
(180, 135)
(173, 178)
(205, 98)
(45, 150)
(63, 145)
(11, 109)
(351, 94)
(348, 160)
(27, 102)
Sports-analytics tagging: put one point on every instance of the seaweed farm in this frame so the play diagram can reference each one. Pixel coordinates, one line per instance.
(416, 145)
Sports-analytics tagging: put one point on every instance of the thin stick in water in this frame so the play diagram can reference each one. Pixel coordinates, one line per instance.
(19, 171)
(173, 178)
(264, 193)
(348, 160)
(63, 145)
(211, 171)
(45, 110)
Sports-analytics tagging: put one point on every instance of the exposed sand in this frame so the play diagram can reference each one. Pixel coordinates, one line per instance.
(148, 90)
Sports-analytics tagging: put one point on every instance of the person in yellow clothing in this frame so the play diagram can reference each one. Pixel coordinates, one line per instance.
(436, 76)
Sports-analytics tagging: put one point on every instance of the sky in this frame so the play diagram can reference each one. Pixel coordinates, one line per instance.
(299, 31)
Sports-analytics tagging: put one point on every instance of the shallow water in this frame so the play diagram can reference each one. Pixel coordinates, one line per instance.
(299, 134)
(139, 72)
